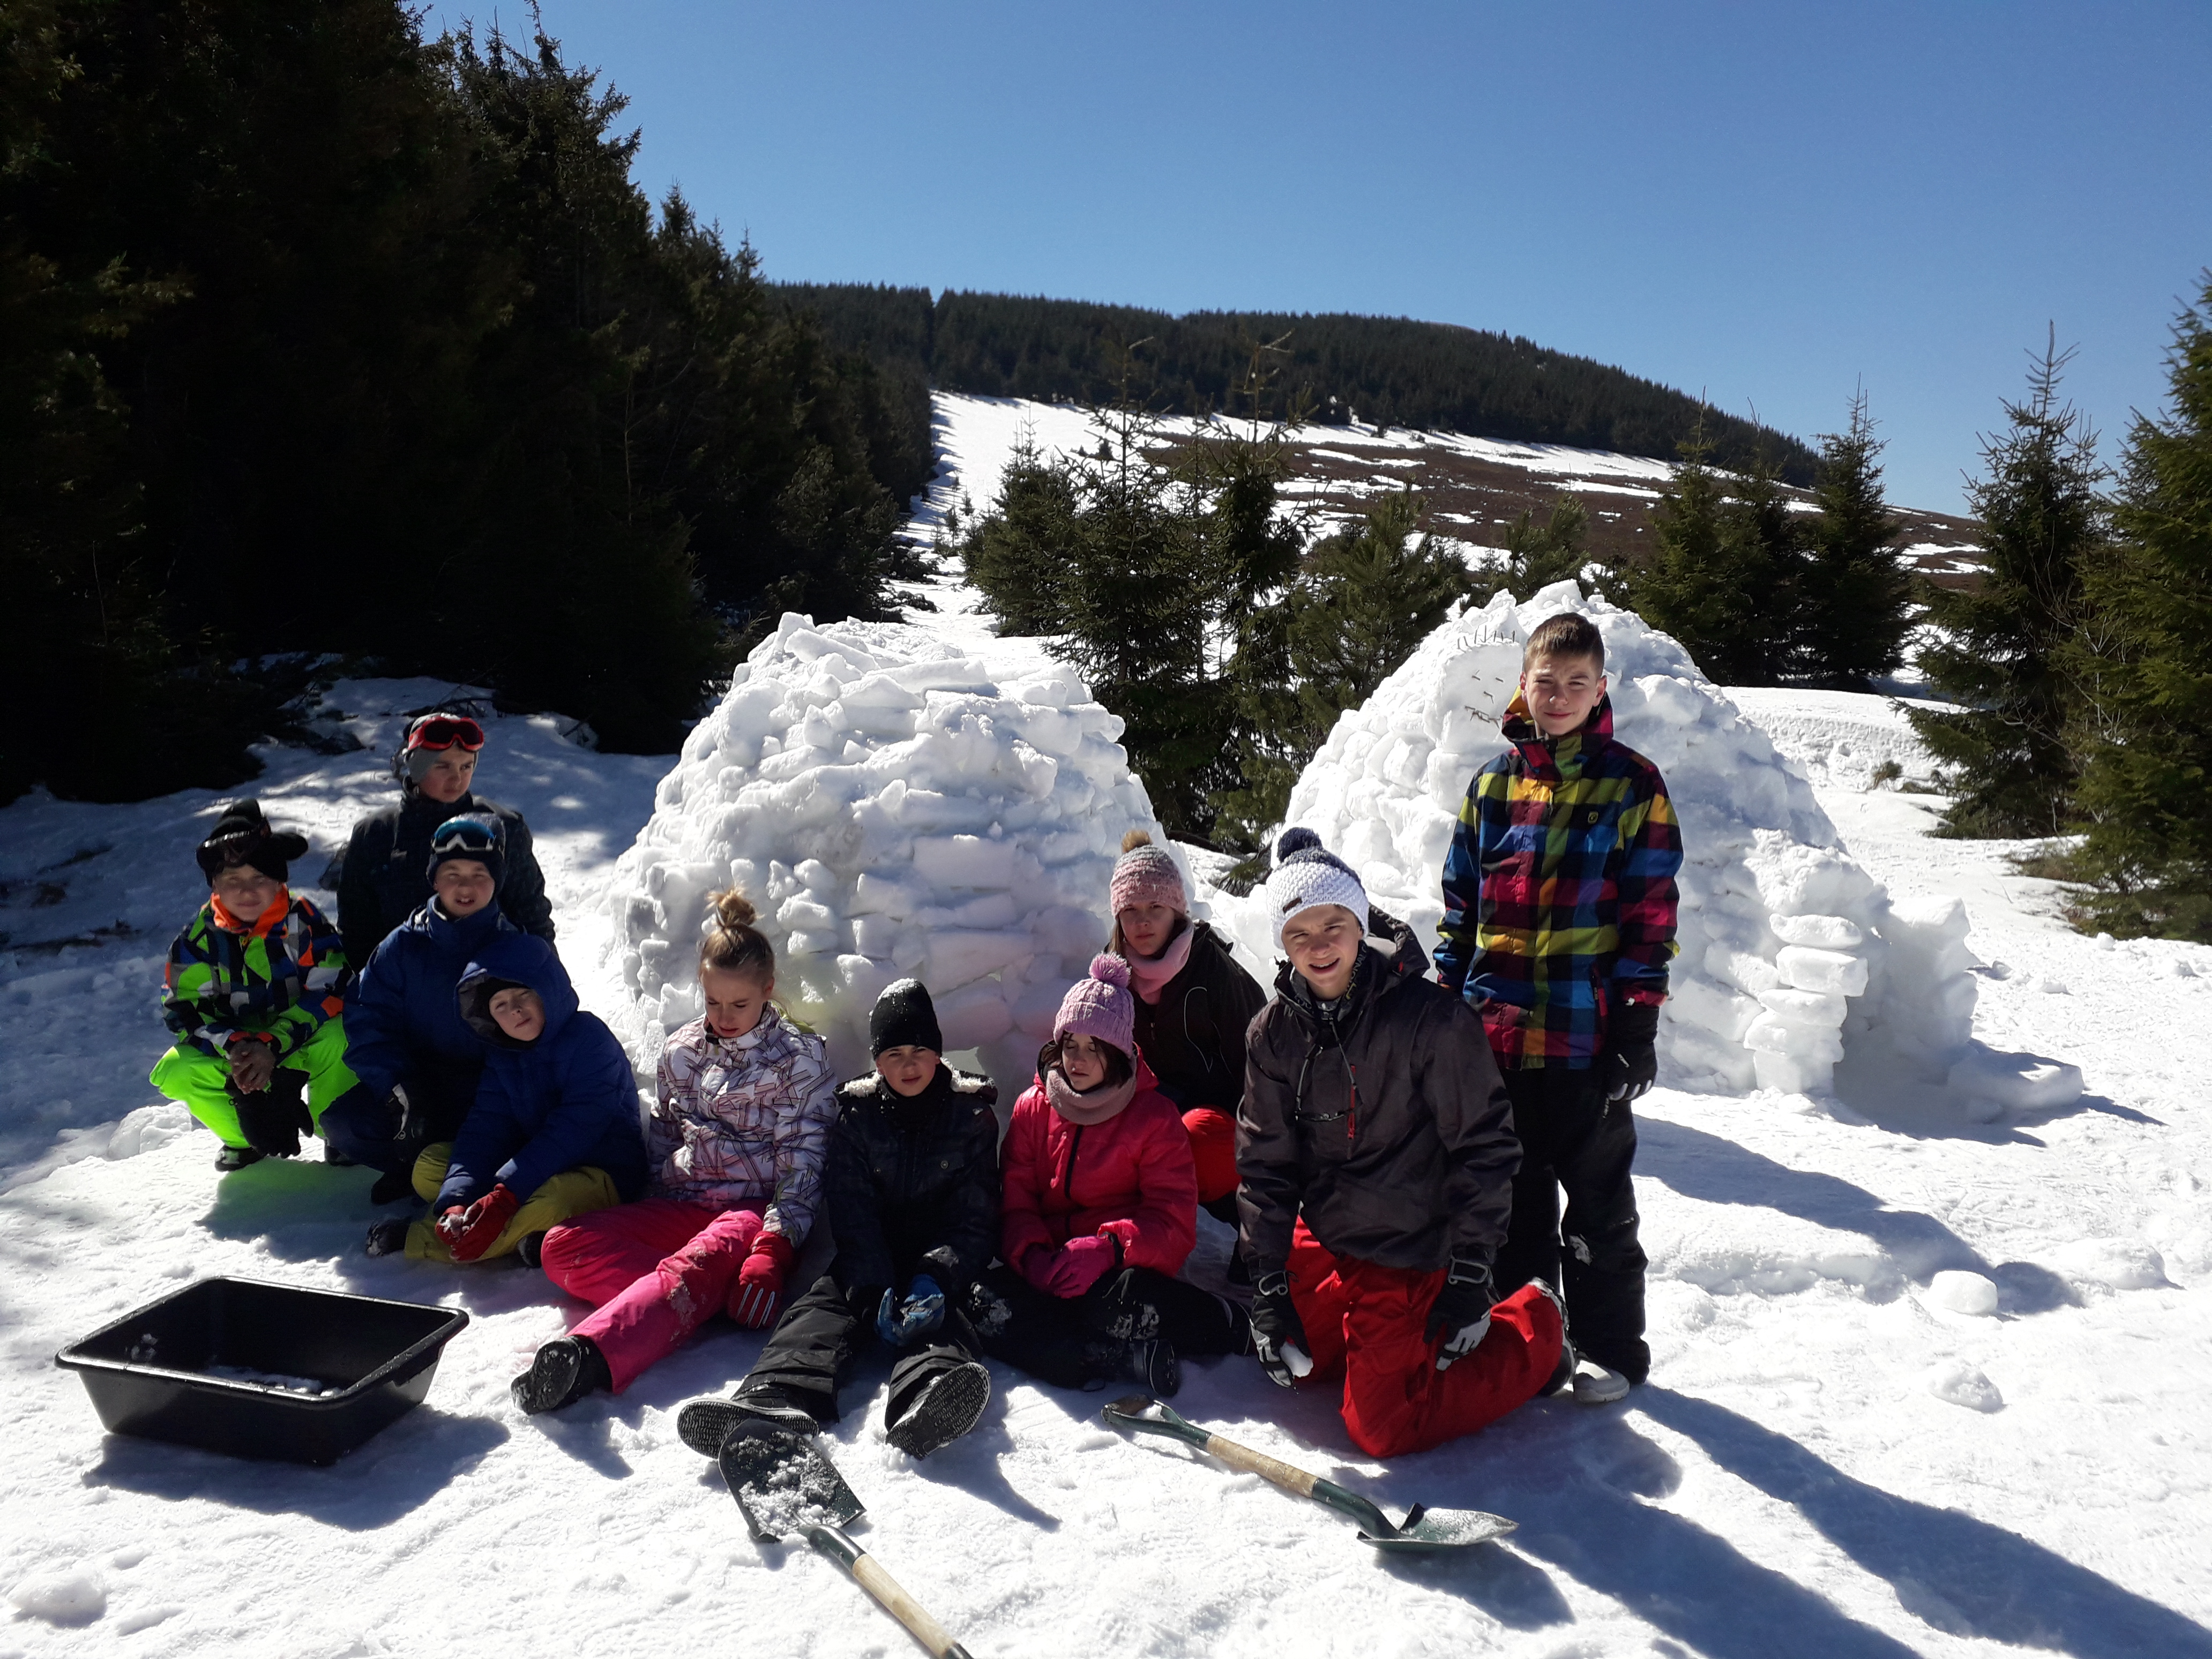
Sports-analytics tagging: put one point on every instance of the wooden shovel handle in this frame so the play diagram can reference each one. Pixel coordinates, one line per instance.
(1291, 1479)
(904, 1609)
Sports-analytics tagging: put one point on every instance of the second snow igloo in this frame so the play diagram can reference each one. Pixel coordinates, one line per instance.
(891, 809)
(1782, 952)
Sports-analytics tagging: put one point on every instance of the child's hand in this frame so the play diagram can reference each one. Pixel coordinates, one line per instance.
(1080, 1263)
(252, 1063)
(469, 1232)
(904, 1323)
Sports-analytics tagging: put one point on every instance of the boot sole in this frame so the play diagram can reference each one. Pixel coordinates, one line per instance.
(951, 1406)
(704, 1424)
(551, 1382)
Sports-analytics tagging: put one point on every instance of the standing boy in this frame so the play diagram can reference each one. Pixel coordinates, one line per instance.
(1376, 1152)
(1559, 923)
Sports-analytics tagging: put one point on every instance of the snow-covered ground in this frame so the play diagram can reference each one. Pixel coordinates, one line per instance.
(1837, 1454)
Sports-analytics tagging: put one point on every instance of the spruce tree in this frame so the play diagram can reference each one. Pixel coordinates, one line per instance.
(1536, 555)
(1017, 555)
(2146, 789)
(2000, 649)
(1855, 599)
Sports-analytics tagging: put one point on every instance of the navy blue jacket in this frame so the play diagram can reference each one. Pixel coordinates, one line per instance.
(563, 1101)
(383, 876)
(401, 1023)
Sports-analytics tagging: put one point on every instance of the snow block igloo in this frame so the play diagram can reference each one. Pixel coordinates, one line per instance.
(891, 809)
(1787, 948)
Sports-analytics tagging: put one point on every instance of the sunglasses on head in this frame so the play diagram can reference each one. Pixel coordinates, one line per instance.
(464, 836)
(445, 731)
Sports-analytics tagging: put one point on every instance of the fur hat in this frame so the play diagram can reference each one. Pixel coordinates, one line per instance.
(484, 839)
(1101, 1006)
(1145, 874)
(1308, 875)
(904, 1017)
(242, 836)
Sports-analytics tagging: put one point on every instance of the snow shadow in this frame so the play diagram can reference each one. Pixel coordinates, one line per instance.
(1720, 1171)
(1963, 1576)
(397, 1472)
(971, 1464)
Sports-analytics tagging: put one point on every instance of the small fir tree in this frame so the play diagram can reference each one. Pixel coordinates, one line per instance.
(2001, 650)
(2146, 789)
(1855, 599)
(1538, 555)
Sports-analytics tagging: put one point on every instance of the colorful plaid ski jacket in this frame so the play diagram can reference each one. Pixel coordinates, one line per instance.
(1559, 891)
(280, 976)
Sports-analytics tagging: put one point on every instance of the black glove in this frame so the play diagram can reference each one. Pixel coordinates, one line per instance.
(1461, 1313)
(271, 1121)
(1276, 1336)
(1631, 1061)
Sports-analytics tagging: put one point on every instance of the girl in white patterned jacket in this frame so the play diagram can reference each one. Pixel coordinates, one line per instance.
(735, 1140)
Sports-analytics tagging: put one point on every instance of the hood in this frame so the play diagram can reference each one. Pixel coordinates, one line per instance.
(1519, 729)
(1400, 961)
(514, 958)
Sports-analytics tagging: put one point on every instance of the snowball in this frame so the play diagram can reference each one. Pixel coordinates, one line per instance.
(2125, 1264)
(1962, 1292)
(2022, 1083)
(1961, 1384)
(66, 1596)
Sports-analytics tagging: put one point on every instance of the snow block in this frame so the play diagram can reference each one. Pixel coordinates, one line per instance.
(1961, 1384)
(2016, 1082)
(1963, 1293)
(890, 810)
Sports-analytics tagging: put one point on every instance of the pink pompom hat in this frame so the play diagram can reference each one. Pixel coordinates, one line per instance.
(1101, 1006)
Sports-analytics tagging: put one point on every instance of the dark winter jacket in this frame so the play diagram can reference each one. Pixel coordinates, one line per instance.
(911, 1185)
(1131, 1177)
(403, 1024)
(1194, 1035)
(1388, 1126)
(565, 1100)
(382, 878)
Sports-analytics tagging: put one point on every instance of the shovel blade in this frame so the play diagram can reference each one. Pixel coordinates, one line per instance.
(1431, 1531)
(783, 1484)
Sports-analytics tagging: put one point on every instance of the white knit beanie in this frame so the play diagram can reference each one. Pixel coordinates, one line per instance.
(1307, 874)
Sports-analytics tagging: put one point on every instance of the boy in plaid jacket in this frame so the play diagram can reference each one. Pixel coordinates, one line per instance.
(1558, 925)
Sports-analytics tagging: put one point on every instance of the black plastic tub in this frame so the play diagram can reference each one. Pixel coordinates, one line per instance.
(159, 1372)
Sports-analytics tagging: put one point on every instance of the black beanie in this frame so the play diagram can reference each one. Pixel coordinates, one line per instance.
(242, 836)
(904, 1017)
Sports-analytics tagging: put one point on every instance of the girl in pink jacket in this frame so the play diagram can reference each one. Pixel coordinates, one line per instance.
(735, 1140)
(1100, 1210)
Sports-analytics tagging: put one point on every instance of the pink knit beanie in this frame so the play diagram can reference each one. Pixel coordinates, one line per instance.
(1145, 874)
(1101, 1006)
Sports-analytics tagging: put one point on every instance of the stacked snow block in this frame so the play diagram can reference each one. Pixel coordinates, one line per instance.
(890, 810)
(1784, 947)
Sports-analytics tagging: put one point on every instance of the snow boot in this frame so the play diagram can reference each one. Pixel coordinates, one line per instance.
(391, 1187)
(565, 1370)
(1152, 1366)
(334, 1158)
(1597, 1384)
(705, 1423)
(236, 1158)
(948, 1406)
(530, 1250)
(387, 1237)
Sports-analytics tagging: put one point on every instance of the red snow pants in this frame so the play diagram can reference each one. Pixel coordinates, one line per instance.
(655, 1271)
(1366, 1320)
(1213, 1148)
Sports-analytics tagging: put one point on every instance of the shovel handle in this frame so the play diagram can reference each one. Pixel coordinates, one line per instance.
(835, 1543)
(1290, 1477)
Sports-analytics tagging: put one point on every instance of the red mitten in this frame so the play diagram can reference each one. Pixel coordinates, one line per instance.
(1081, 1263)
(758, 1292)
(468, 1233)
(1038, 1264)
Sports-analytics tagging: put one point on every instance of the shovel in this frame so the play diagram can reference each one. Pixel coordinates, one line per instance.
(785, 1485)
(1426, 1531)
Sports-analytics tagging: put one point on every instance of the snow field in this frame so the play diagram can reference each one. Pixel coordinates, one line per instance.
(891, 808)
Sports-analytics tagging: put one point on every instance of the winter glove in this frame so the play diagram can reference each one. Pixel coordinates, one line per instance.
(1461, 1313)
(1277, 1337)
(903, 1324)
(253, 1062)
(1036, 1265)
(469, 1232)
(1080, 1263)
(758, 1292)
(1630, 1061)
(272, 1121)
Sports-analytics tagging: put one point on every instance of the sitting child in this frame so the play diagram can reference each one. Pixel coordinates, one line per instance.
(256, 985)
(554, 1132)
(1101, 1211)
(911, 1183)
(735, 1138)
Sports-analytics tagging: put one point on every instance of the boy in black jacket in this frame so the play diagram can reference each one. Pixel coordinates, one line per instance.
(910, 1185)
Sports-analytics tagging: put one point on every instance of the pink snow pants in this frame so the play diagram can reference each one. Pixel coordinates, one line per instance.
(1366, 1321)
(655, 1271)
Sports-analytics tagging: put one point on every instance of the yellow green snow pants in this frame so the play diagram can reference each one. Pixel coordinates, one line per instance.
(573, 1192)
(196, 1079)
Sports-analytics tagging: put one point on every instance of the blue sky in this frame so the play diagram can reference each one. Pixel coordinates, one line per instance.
(1767, 204)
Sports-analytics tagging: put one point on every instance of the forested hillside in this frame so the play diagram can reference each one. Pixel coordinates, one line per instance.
(1385, 370)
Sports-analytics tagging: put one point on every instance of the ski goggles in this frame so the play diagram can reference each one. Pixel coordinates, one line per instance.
(445, 731)
(464, 836)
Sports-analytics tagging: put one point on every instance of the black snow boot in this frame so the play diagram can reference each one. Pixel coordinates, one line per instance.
(705, 1423)
(945, 1407)
(1153, 1367)
(566, 1369)
(236, 1158)
(387, 1237)
(391, 1187)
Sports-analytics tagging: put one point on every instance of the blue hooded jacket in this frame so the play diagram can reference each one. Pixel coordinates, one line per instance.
(563, 1101)
(401, 1023)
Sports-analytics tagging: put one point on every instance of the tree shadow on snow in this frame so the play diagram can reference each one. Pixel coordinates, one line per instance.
(1720, 1171)
(1963, 1576)
(394, 1473)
